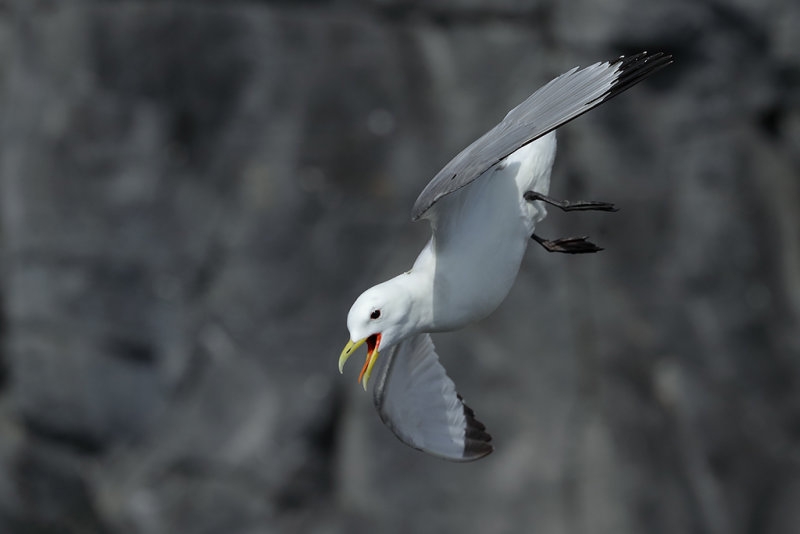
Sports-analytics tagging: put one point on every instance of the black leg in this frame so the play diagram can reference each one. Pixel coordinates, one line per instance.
(568, 245)
(566, 205)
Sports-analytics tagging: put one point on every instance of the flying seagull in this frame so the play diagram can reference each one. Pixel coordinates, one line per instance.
(482, 207)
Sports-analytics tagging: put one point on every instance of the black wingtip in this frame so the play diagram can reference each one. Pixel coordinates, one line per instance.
(633, 69)
(476, 439)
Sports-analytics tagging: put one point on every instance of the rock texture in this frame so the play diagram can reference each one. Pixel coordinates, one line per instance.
(193, 193)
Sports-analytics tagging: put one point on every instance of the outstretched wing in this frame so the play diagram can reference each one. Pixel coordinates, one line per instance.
(418, 401)
(561, 100)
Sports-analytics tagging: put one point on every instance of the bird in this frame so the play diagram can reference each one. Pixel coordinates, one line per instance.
(483, 207)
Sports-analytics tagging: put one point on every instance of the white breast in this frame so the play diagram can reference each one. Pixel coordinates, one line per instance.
(481, 233)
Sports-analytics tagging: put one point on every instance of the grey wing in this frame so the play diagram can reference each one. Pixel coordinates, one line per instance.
(417, 400)
(561, 100)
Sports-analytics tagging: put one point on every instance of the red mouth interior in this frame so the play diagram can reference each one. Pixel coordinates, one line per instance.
(372, 351)
(372, 343)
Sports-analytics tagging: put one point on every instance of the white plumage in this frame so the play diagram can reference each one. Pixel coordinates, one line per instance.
(481, 226)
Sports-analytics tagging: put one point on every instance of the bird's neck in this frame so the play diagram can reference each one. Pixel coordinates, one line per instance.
(416, 286)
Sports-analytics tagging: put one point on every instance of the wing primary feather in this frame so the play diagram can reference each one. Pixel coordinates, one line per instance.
(417, 400)
(636, 68)
(559, 101)
(478, 442)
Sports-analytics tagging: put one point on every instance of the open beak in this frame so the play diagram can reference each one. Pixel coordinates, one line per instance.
(373, 342)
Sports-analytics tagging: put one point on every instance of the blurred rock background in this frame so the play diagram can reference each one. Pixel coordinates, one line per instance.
(192, 194)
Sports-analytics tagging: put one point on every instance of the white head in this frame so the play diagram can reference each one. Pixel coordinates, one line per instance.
(381, 317)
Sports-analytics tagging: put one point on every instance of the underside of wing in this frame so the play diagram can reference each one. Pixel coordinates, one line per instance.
(561, 100)
(418, 401)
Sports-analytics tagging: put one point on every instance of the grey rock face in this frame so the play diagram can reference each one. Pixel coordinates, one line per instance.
(193, 193)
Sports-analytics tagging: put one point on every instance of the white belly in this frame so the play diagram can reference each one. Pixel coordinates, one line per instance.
(481, 233)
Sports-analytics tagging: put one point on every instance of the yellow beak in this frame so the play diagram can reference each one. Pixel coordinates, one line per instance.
(373, 342)
(348, 351)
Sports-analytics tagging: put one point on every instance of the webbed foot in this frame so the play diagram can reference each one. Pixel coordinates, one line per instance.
(567, 245)
(567, 205)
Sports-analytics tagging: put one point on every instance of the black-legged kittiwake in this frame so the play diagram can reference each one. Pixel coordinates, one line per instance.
(482, 207)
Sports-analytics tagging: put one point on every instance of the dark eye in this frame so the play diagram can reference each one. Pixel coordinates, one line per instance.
(375, 314)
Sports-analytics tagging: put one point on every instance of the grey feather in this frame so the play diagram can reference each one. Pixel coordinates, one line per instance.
(417, 400)
(558, 102)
